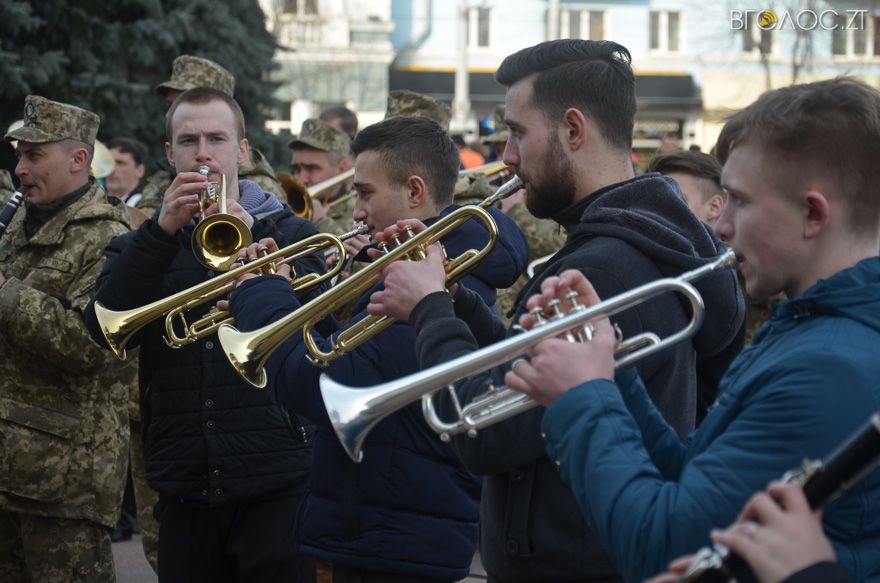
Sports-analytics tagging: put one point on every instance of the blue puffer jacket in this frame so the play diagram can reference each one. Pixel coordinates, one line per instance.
(810, 379)
(410, 508)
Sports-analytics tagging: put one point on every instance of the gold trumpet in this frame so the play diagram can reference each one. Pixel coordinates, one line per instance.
(119, 326)
(355, 411)
(248, 351)
(217, 238)
(299, 196)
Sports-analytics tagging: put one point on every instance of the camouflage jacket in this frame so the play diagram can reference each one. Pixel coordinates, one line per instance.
(63, 399)
(256, 168)
(340, 216)
(6, 186)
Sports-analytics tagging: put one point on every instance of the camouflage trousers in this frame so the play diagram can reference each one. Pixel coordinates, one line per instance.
(39, 549)
(145, 499)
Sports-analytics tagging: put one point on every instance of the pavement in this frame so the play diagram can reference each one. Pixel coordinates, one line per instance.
(132, 566)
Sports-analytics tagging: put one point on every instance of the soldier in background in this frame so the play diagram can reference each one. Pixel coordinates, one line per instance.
(319, 153)
(342, 119)
(63, 400)
(189, 72)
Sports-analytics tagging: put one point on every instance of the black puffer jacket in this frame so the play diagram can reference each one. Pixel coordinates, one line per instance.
(209, 437)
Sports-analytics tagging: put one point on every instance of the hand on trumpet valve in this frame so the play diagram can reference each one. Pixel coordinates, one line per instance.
(558, 364)
(181, 202)
(396, 234)
(253, 252)
(407, 283)
(353, 245)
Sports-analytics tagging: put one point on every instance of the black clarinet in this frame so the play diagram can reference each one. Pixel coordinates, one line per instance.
(9, 210)
(822, 482)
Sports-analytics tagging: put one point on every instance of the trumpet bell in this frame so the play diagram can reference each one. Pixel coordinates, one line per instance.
(218, 238)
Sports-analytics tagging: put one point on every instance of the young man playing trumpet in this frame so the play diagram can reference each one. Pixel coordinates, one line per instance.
(800, 168)
(409, 511)
(570, 107)
(228, 462)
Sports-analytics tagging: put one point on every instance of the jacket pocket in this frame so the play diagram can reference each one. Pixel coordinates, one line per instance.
(36, 447)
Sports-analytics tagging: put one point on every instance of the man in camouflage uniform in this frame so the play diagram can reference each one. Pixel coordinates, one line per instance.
(319, 153)
(188, 72)
(63, 400)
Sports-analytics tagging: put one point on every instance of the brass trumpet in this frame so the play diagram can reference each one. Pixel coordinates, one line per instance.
(217, 238)
(299, 196)
(248, 351)
(355, 411)
(119, 326)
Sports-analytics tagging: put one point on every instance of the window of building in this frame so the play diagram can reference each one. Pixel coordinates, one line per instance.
(855, 38)
(300, 7)
(757, 39)
(665, 33)
(585, 24)
(479, 22)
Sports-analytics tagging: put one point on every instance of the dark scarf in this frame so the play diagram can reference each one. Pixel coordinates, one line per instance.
(38, 215)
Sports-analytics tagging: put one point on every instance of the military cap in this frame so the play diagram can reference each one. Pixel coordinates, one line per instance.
(403, 103)
(320, 136)
(502, 132)
(49, 121)
(189, 72)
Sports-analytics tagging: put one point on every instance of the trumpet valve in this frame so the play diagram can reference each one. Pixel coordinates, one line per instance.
(538, 314)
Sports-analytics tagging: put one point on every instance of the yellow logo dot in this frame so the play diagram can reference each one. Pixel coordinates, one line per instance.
(767, 18)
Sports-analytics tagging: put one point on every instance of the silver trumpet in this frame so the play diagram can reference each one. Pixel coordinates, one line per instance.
(355, 411)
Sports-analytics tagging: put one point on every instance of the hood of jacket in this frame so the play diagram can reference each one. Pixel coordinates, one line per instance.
(650, 213)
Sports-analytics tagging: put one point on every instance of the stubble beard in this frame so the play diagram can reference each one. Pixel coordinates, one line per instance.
(554, 188)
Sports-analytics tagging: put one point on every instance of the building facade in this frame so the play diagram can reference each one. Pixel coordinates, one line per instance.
(696, 62)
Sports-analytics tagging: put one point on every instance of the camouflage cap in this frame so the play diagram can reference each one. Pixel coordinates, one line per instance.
(49, 121)
(502, 132)
(403, 103)
(189, 72)
(317, 134)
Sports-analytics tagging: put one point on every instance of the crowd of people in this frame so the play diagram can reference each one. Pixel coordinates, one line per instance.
(621, 473)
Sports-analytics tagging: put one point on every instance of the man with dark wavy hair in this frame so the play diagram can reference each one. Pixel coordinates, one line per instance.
(570, 107)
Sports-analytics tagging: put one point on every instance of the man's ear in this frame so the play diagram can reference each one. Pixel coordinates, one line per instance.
(168, 154)
(417, 192)
(79, 159)
(140, 169)
(243, 149)
(575, 125)
(816, 211)
(716, 205)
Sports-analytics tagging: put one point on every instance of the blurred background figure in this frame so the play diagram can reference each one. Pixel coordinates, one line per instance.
(699, 177)
(342, 119)
(130, 156)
